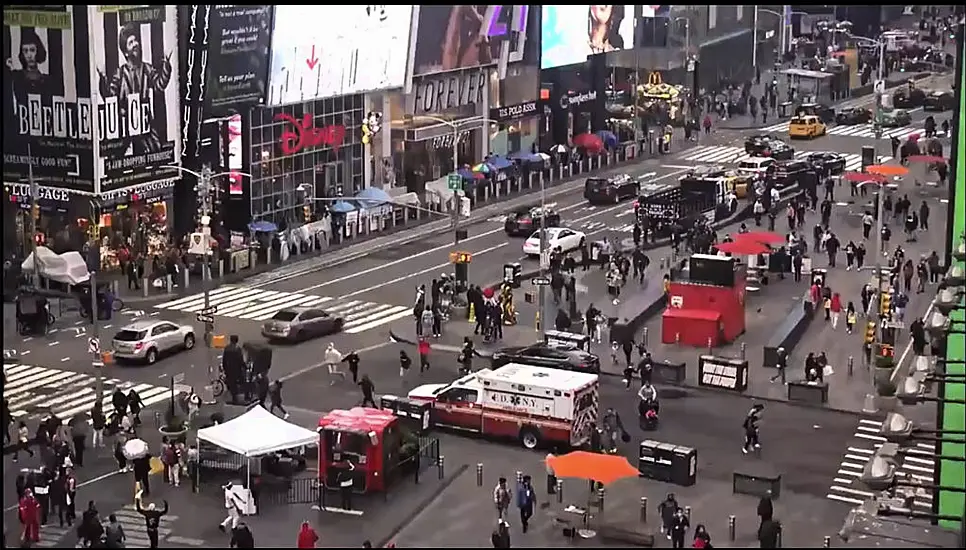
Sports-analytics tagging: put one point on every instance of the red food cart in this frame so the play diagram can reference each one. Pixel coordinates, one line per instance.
(369, 438)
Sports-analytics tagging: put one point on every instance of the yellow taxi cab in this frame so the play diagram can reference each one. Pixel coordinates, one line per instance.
(739, 184)
(808, 126)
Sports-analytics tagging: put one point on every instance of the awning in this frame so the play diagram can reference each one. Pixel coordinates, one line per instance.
(342, 207)
(256, 433)
(371, 197)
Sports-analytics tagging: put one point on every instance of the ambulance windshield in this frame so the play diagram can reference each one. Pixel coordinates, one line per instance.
(346, 442)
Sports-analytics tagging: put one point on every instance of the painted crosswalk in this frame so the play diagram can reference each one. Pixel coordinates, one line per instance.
(136, 536)
(854, 130)
(917, 465)
(32, 390)
(255, 304)
(720, 154)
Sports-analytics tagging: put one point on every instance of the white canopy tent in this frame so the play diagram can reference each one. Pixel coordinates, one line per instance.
(68, 268)
(256, 433)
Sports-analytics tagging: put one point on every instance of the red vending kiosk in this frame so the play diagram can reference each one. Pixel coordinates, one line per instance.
(369, 438)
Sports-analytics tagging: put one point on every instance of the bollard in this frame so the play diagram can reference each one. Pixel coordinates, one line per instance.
(146, 286)
(559, 491)
(662, 264)
(115, 287)
(827, 543)
(644, 337)
(519, 476)
(851, 364)
(479, 474)
(677, 338)
(731, 528)
(186, 277)
(710, 346)
(600, 499)
(643, 509)
(439, 467)
(742, 350)
(687, 512)
(168, 284)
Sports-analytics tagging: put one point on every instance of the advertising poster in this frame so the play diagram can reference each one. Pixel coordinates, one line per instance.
(47, 120)
(328, 51)
(138, 104)
(450, 38)
(236, 182)
(570, 34)
(239, 43)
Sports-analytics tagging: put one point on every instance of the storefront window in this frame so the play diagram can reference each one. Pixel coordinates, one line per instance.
(138, 228)
(325, 157)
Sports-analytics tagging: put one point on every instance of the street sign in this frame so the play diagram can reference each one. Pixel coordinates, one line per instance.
(545, 259)
(454, 182)
(93, 345)
(210, 310)
(879, 87)
(202, 318)
(540, 281)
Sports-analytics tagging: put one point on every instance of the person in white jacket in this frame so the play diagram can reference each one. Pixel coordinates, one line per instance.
(333, 358)
(233, 506)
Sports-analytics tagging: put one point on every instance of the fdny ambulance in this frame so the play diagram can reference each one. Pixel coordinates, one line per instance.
(534, 405)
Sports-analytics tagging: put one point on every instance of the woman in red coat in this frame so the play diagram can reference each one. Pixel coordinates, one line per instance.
(307, 536)
(29, 512)
(836, 309)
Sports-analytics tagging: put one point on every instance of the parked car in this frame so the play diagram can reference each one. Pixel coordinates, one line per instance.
(939, 101)
(833, 162)
(896, 118)
(564, 238)
(296, 324)
(542, 355)
(149, 340)
(522, 222)
(807, 127)
(768, 146)
(854, 115)
(611, 190)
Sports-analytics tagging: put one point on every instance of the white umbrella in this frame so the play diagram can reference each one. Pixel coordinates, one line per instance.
(559, 149)
(135, 448)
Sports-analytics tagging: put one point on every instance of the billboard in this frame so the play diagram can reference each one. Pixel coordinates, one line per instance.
(450, 38)
(238, 55)
(138, 104)
(569, 34)
(47, 97)
(328, 51)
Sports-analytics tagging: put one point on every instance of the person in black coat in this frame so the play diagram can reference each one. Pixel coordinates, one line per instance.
(241, 536)
(766, 509)
(233, 363)
(142, 467)
(152, 519)
(501, 535)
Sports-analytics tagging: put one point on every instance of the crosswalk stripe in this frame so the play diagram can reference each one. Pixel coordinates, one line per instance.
(35, 388)
(260, 305)
(135, 534)
(918, 463)
(717, 154)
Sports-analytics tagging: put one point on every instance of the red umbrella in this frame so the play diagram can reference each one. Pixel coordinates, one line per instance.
(589, 141)
(743, 248)
(928, 159)
(763, 237)
(862, 177)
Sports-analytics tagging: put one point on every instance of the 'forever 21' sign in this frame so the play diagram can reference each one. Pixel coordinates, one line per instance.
(513, 112)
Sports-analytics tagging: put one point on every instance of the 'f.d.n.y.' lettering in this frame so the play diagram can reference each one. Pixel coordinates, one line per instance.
(57, 118)
(126, 117)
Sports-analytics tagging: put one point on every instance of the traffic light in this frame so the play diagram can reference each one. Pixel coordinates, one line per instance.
(885, 304)
(307, 213)
(870, 332)
(35, 212)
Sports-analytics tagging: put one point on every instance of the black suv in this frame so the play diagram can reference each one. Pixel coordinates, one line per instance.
(854, 115)
(542, 355)
(824, 113)
(522, 222)
(833, 162)
(611, 190)
(768, 146)
(939, 101)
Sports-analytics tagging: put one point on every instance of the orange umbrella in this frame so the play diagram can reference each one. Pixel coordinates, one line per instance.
(930, 159)
(764, 237)
(743, 247)
(586, 465)
(887, 170)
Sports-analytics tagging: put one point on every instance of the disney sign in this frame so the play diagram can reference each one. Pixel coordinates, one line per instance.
(304, 134)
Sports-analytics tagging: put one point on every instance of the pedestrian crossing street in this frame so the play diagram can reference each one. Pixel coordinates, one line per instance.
(32, 390)
(255, 304)
(132, 522)
(918, 464)
(717, 154)
(855, 130)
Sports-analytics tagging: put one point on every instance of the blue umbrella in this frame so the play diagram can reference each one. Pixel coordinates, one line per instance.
(341, 207)
(608, 137)
(372, 196)
(499, 162)
(519, 155)
(262, 226)
(466, 173)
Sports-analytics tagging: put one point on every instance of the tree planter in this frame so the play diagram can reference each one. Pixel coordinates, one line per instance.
(173, 432)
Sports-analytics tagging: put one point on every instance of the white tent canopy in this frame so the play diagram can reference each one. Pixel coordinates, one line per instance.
(256, 433)
(67, 268)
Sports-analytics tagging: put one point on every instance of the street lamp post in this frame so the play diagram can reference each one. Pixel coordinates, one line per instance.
(784, 32)
(204, 189)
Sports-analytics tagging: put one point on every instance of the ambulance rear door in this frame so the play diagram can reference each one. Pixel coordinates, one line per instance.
(585, 408)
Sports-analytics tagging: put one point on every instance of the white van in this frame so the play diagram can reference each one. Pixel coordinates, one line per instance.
(756, 166)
